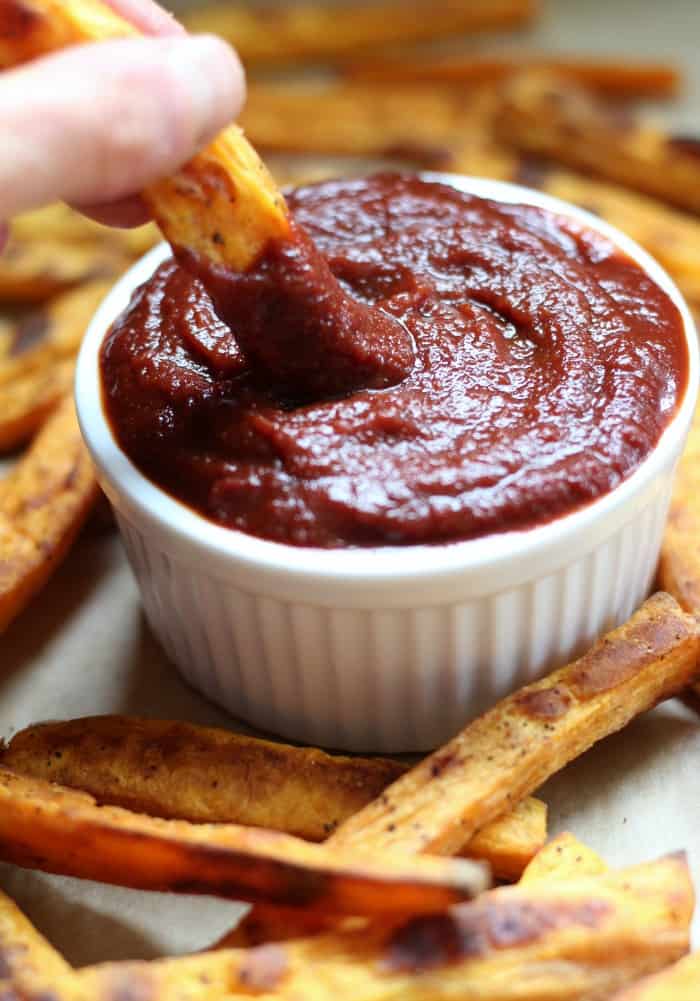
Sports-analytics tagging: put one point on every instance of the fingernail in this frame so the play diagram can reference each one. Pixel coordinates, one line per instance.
(213, 77)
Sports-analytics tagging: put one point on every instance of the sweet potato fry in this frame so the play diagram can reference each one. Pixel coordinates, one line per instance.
(26, 958)
(185, 772)
(7, 337)
(511, 750)
(27, 403)
(43, 503)
(547, 117)
(691, 699)
(564, 857)
(58, 222)
(669, 235)
(679, 566)
(302, 31)
(508, 845)
(577, 940)
(511, 842)
(34, 271)
(680, 982)
(36, 371)
(266, 925)
(223, 204)
(54, 248)
(612, 78)
(355, 120)
(181, 771)
(59, 830)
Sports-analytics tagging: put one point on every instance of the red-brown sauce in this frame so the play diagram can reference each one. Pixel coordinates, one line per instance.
(544, 365)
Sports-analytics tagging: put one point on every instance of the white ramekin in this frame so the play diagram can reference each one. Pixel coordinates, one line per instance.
(387, 649)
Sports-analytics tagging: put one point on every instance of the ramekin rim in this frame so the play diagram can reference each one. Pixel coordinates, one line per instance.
(382, 563)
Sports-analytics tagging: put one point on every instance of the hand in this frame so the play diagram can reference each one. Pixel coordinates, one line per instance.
(94, 124)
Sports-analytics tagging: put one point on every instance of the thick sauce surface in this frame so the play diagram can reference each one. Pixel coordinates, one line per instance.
(546, 367)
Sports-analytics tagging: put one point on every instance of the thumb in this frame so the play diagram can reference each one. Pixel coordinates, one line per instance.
(96, 123)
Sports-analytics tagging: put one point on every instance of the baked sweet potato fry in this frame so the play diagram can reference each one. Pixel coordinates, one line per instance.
(26, 958)
(510, 842)
(181, 771)
(7, 336)
(576, 940)
(44, 501)
(223, 205)
(358, 120)
(511, 750)
(27, 403)
(680, 982)
(508, 845)
(62, 224)
(54, 249)
(564, 857)
(186, 772)
(32, 272)
(37, 369)
(302, 31)
(679, 566)
(60, 830)
(548, 117)
(611, 78)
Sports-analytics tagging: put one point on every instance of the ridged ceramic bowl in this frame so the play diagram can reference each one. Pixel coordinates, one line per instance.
(386, 649)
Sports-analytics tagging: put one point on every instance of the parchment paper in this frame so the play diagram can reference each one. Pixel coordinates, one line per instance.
(84, 648)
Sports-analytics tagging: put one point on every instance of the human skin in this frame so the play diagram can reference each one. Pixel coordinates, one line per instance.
(94, 124)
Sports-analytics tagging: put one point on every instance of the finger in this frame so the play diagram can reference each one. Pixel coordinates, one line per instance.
(149, 17)
(97, 123)
(126, 212)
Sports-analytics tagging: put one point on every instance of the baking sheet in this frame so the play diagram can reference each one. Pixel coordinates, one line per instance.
(84, 648)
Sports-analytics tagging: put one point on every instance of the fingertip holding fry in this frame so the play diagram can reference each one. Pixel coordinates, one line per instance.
(198, 87)
(222, 205)
(153, 103)
(125, 213)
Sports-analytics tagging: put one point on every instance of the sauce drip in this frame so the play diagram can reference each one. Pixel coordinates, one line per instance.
(300, 329)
